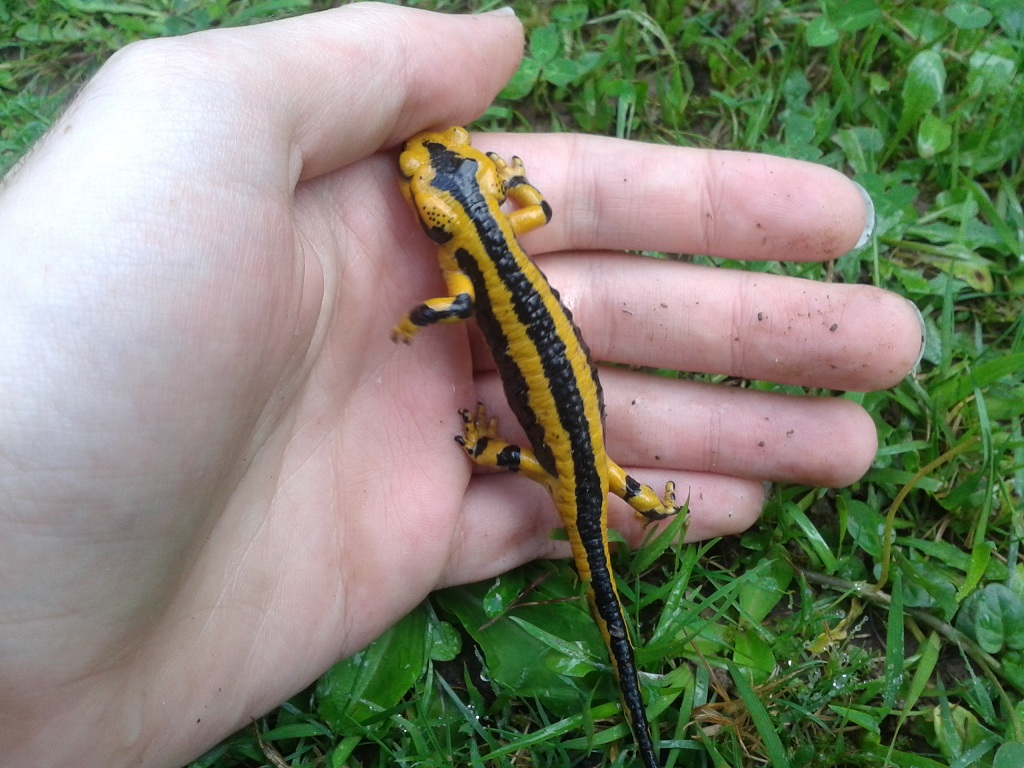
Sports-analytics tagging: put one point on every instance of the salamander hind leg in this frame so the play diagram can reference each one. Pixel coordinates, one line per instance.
(642, 497)
(482, 444)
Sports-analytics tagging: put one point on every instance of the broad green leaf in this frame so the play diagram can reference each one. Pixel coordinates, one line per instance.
(821, 33)
(923, 88)
(990, 72)
(377, 677)
(950, 555)
(444, 641)
(957, 388)
(570, 15)
(1013, 670)
(921, 22)
(981, 556)
(961, 735)
(561, 72)
(853, 15)
(994, 617)
(861, 145)
(536, 649)
(545, 44)
(503, 592)
(763, 593)
(569, 657)
(795, 89)
(866, 718)
(878, 82)
(344, 749)
(934, 136)
(522, 82)
(751, 652)
(866, 526)
(930, 585)
(799, 129)
(973, 756)
(1009, 755)
(894, 195)
(967, 15)
(60, 32)
(1002, 141)
(1010, 14)
(969, 232)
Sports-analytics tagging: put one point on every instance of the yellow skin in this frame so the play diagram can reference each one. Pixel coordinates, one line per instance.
(550, 382)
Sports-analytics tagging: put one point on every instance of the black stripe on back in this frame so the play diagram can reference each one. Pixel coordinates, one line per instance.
(456, 176)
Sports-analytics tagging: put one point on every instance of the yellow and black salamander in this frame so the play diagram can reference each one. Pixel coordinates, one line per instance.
(549, 379)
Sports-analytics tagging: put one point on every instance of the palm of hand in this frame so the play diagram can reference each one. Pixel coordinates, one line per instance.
(342, 505)
(270, 483)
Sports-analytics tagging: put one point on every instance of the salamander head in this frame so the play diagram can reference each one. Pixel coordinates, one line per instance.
(441, 174)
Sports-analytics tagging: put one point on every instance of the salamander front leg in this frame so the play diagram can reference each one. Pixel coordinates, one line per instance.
(642, 497)
(481, 442)
(447, 309)
(533, 211)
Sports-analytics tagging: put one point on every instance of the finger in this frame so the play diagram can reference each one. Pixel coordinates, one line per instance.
(508, 520)
(332, 87)
(820, 441)
(609, 193)
(367, 76)
(667, 314)
(673, 424)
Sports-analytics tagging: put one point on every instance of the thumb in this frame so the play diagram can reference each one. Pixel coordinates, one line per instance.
(341, 84)
(322, 90)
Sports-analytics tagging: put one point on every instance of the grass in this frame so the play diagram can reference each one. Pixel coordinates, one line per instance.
(876, 625)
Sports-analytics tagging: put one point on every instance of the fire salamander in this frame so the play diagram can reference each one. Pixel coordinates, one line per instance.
(549, 379)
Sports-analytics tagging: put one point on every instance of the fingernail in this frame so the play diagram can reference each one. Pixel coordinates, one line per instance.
(924, 335)
(505, 10)
(869, 209)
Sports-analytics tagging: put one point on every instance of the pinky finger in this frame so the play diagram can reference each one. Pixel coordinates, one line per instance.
(717, 505)
(507, 521)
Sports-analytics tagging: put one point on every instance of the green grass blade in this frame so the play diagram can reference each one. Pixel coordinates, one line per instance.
(762, 720)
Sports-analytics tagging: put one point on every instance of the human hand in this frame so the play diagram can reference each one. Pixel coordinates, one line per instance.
(218, 474)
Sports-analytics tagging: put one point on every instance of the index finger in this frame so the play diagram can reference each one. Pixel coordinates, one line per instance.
(615, 194)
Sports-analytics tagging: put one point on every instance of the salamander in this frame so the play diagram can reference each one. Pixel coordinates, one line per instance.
(550, 381)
